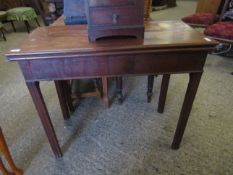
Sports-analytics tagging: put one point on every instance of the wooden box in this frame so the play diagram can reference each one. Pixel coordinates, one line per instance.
(107, 18)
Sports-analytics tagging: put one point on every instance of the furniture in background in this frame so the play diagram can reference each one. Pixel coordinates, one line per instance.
(119, 80)
(18, 11)
(163, 4)
(58, 4)
(120, 18)
(74, 89)
(47, 16)
(75, 12)
(171, 3)
(2, 17)
(205, 15)
(147, 9)
(5, 151)
(2, 31)
(222, 31)
(111, 58)
(24, 14)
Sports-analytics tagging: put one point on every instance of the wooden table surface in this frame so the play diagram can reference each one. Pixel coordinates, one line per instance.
(55, 40)
(64, 52)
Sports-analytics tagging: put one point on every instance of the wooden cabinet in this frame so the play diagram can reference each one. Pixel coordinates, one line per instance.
(114, 18)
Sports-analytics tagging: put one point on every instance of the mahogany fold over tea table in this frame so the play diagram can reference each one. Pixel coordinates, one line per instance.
(64, 52)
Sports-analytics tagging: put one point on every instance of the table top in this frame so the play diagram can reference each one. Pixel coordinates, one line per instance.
(54, 40)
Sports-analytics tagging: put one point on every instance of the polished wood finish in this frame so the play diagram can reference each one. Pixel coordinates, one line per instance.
(163, 92)
(101, 89)
(38, 100)
(169, 47)
(115, 18)
(5, 151)
(194, 80)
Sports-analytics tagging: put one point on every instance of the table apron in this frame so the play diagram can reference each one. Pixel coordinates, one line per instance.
(117, 65)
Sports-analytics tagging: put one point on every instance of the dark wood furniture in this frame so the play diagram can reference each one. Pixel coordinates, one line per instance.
(101, 84)
(5, 151)
(205, 14)
(169, 47)
(115, 18)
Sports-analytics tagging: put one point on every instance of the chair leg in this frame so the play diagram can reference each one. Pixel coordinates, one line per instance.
(3, 35)
(4, 29)
(163, 92)
(6, 153)
(13, 26)
(27, 26)
(37, 22)
(67, 89)
(3, 169)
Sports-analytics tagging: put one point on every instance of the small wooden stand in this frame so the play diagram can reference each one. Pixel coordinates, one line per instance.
(115, 18)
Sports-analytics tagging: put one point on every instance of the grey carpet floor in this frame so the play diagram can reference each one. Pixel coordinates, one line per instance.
(128, 139)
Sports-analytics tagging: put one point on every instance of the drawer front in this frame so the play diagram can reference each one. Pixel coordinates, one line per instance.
(127, 15)
(102, 3)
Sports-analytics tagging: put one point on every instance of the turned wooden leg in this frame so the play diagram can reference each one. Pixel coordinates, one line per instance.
(5, 151)
(119, 88)
(150, 86)
(62, 100)
(163, 92)
(105, 91)
(41, 108)
(186, 108)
